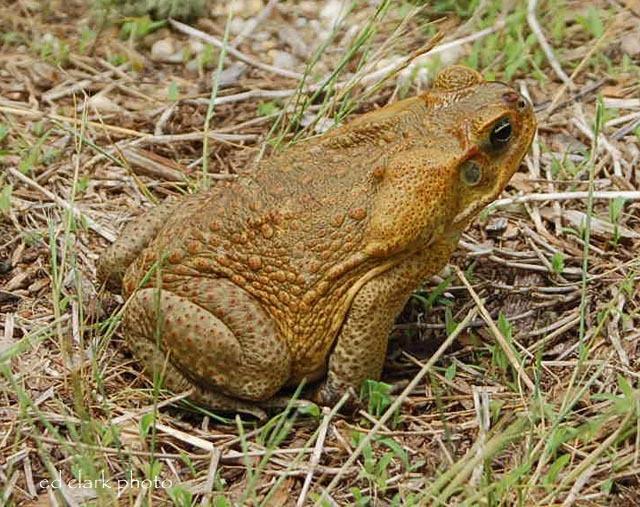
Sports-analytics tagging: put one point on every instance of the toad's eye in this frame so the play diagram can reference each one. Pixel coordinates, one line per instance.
(500, 133)
(470, 173)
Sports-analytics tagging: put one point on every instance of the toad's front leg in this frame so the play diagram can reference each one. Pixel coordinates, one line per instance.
(361, 346)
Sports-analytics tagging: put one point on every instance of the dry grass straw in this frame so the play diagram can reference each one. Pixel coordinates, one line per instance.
(93, 131)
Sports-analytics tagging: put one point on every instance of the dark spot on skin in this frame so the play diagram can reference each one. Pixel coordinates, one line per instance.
(378, 172)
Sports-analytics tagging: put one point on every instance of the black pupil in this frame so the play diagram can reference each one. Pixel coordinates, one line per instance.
(501, 133)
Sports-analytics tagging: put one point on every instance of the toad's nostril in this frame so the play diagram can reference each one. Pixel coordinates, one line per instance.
(513, 98)
(510, 97)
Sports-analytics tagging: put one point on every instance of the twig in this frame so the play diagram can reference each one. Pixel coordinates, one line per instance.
(215, 83)
(605, 446)
(612, 325)
(106, 234)
(145, 410)
(631, 195)
(580, 122)
(579, 95)
(251, 94)
(546, 48)
(251, 24)
(562, 90)
(211, 475)
(199, 34)
(188, 438)
(28, 473)
(192, 136)
(481, 404)
(502, 341)
(396, 404)
(59, 92)
(623, 131)
(315, 457)
(39, 115)
(155, 166)
(447, 46)
(577, 487)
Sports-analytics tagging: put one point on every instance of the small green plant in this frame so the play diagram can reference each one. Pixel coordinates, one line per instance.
(180, 496)
(377, 469)
(513, 47)
(270, 436)
(87, 39)
(616, 206)
(450, 372)
(309, 409)
(485, 213)
(110, 436)
(450, 324)
(556, 167)
(153, 469)
(118, 59)
(53, 50)
(378, 396)
(461, 8)
(5, 198)
(32, 155)
(83, 184)
(206, 58)
(505, 327)
(558, 21)
(268, 108)
(549, 479)
(360, 499)
(173, 93)
(322, 501)
(435, 296)
(146, 423)
(13, 38)
(406, 500)
(557, 262)
(139, 28)
(592, 22)
(4, 132)
(499, 358)
(220, 501)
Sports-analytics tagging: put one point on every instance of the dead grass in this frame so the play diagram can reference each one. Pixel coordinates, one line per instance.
(535, 403)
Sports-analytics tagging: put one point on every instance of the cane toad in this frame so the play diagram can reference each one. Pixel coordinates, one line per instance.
(298, 270)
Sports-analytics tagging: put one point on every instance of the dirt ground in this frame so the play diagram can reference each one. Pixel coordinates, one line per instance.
(535, 402)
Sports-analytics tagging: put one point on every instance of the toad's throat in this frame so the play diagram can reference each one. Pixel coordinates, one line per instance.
(462, 219)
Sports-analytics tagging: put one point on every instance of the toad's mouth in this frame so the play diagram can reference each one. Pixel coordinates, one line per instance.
(462, 219)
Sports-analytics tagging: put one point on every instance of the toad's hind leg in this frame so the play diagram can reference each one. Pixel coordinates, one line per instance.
(154, 361)
(211, 336)
(134, 238)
